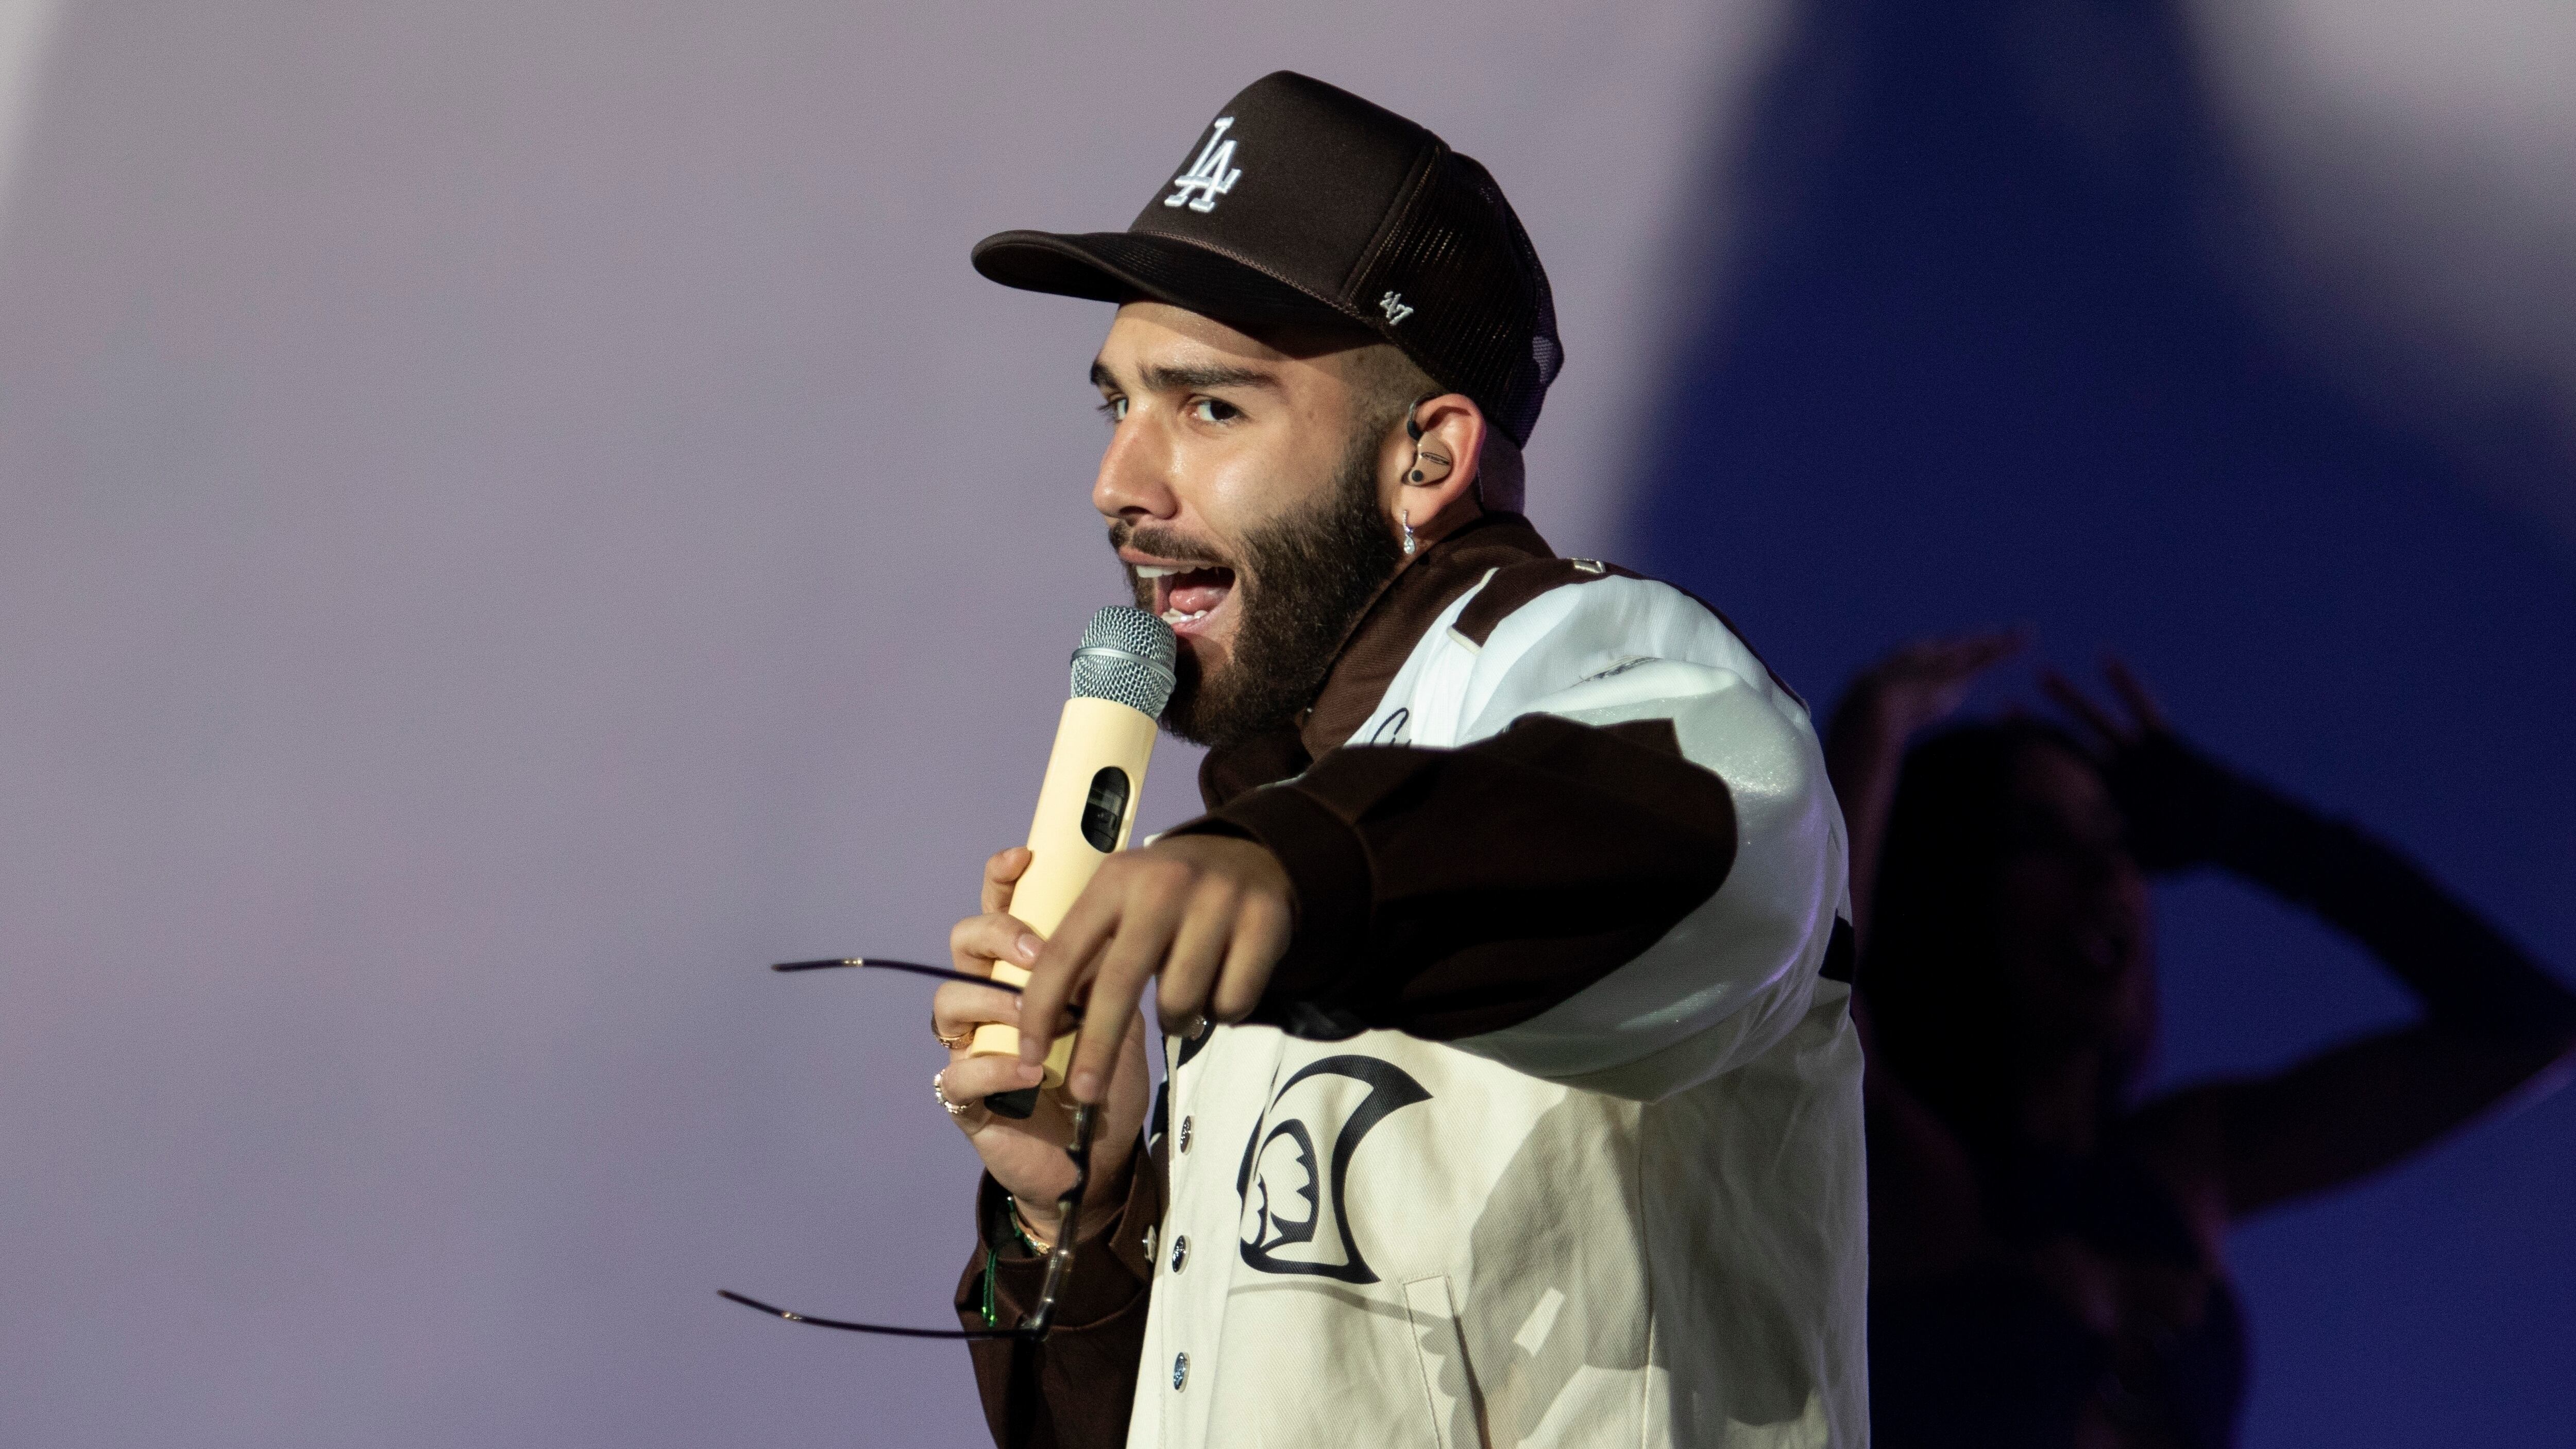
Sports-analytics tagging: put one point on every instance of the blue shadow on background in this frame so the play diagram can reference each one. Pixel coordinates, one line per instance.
(1986, 358)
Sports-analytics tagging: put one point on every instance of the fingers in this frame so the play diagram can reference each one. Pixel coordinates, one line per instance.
(2108, 732)
(956, 1009)
(1953, 663)
(1908, 662)
(1209, 915)
(1001, 874)
(1261, 934)
(967, 1081)
(1977, 653)
(1239, 924)
(1148, 920)
(1954, 655)
(1925, 681)
(1107, 1019)
(976, 942)
(1063, 962)
(2143, 705)
(1953, 669)
(1198, 952)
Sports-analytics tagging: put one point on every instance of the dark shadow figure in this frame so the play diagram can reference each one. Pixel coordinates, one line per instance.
(1984, 350)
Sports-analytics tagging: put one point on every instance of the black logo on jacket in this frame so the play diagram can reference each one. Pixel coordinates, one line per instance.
(1296, 1218)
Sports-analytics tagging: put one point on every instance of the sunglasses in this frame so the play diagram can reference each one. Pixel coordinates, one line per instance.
(1033, 1325)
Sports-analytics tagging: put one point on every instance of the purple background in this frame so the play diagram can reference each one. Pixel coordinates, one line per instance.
(514, 515)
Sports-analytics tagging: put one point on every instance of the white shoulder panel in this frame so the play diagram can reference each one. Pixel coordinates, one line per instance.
(1584, 631)
(1736, 974)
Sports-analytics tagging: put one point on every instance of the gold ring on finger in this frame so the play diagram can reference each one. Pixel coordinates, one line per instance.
(951, 1042)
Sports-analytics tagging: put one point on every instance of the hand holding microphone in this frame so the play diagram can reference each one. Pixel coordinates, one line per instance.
(1024, 1153)
(1208, 914)
(1122, 677)
(1220, 908)
(1203, 916)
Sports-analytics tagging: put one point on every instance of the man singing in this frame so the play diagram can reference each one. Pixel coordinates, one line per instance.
(1512, 1093)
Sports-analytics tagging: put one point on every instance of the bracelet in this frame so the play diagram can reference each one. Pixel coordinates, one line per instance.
(1020, 1230)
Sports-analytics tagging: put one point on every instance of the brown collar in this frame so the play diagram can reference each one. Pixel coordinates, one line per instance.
(1373, 654)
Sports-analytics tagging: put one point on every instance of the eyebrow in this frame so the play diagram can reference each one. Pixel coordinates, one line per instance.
(1190, 379)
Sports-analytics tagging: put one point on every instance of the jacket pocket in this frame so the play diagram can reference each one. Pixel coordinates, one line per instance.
(1448, 1382)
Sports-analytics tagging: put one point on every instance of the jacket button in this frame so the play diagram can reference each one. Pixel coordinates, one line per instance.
(1180, 1251)
(1185, 1133)
(1180, 1370)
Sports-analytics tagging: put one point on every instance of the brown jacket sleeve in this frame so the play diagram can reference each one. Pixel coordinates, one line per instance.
(1071, 1391)
(1453, 892)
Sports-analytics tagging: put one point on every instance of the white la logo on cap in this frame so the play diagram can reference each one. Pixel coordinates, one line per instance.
(1211, 176)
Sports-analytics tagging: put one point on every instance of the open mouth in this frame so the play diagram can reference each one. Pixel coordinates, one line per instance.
(1187, 596)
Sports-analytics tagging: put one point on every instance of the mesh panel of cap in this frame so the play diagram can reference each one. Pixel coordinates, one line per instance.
(1483, 318)
(1126, 655)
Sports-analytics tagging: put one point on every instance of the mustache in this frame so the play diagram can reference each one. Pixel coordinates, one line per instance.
(1171, 543)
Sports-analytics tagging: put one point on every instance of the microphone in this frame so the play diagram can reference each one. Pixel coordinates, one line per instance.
(1122, 678)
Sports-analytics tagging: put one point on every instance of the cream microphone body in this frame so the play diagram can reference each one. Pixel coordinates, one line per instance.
(1122, 678)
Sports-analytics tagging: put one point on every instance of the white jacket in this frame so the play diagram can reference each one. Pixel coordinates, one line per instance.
(1634, 1215)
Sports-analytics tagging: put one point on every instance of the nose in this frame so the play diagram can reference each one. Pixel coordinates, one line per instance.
(1135, 480)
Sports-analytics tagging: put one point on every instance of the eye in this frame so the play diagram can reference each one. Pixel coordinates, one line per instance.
(1214, 410)
(1114, 409)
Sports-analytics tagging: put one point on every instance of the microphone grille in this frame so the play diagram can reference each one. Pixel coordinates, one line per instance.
(1126, 655)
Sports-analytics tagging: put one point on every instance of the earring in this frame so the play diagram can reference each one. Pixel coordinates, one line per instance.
(1405, 518)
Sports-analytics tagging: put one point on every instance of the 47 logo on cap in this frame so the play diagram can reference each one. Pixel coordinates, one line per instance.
(1210, 176)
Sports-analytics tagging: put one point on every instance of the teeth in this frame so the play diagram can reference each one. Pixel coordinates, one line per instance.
(1152, 571)
(1176, 618)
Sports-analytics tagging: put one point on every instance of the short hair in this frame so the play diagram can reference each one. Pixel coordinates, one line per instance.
(1385, 386)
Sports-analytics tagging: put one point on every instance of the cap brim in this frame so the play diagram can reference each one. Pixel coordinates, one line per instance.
(1118, 266)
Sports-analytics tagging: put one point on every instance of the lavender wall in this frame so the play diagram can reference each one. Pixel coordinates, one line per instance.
(513, 515)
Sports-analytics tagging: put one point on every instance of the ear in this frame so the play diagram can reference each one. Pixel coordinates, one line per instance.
(1434, 485)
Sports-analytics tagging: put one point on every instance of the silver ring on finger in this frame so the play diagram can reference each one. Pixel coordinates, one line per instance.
(939, 1089)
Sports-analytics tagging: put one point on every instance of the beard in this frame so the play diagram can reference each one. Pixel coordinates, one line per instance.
(1300, 583)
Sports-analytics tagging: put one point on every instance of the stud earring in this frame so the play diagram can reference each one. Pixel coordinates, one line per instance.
(1404, 517)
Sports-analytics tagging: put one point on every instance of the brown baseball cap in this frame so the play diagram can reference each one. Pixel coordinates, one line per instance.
(1303, 202)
